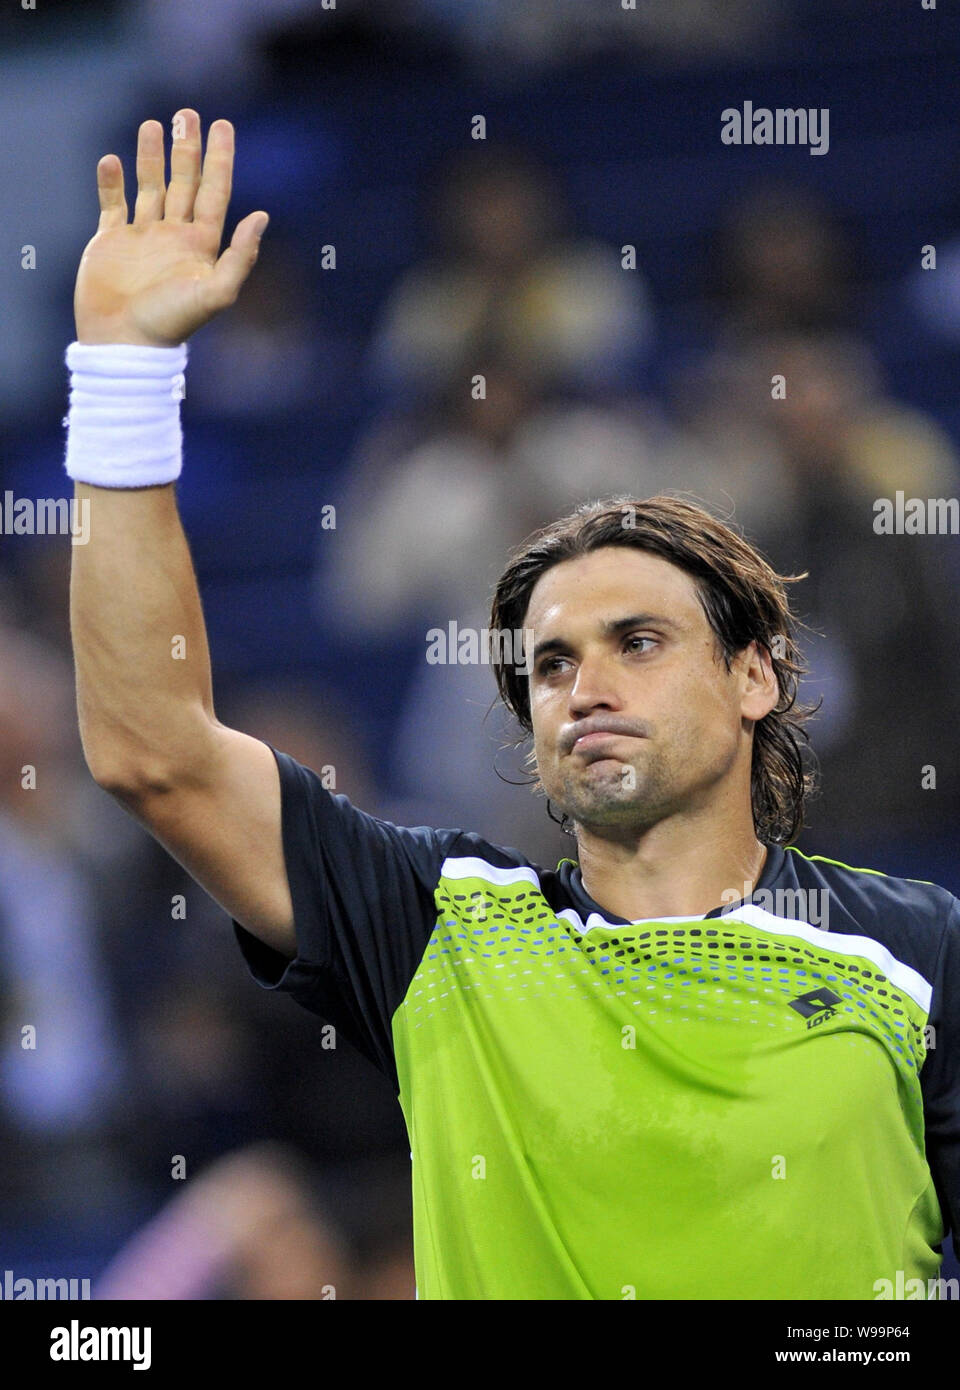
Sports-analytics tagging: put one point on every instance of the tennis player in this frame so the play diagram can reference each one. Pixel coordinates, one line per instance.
(690, 1063)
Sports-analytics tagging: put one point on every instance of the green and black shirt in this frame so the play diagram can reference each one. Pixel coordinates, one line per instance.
(761, 1103)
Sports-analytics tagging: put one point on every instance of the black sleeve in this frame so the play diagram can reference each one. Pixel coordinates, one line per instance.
(940, 1077)
(363, 906)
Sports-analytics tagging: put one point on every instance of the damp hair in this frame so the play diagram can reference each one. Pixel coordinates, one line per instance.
(743, 598)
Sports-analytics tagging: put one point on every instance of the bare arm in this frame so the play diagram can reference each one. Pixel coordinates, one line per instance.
(209, 794)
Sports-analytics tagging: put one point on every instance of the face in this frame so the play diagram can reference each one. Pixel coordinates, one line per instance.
(635, 717)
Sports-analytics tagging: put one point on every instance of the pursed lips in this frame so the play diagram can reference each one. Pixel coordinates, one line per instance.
(588, 740)
(592, 734)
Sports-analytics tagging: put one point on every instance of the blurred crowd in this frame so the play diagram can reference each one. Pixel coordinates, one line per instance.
(189, 1136)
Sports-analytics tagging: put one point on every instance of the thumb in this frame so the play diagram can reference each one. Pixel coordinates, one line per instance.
(236, 262)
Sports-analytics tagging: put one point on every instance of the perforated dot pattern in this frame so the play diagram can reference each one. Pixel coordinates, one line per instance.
(506, 939)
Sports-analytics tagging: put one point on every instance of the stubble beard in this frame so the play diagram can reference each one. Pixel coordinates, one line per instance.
(618, 795)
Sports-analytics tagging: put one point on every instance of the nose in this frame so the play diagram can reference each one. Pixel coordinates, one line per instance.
(594, 687)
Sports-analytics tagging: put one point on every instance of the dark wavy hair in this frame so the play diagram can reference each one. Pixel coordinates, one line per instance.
(743, 598)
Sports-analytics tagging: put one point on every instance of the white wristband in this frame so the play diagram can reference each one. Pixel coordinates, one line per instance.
(123, 426)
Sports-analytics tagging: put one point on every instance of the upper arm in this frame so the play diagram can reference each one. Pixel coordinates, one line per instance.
(334, 906)
(364, 905)
(222, 822)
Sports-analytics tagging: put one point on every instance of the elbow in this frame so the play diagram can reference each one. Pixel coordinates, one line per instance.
(137, 769)
(130, 779)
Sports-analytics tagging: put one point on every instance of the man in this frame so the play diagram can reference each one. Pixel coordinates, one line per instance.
(645, 1075)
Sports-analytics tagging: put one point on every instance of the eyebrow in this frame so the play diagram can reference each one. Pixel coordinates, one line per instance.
(612, 628)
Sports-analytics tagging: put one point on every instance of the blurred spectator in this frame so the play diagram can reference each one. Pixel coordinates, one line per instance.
(835, 419)
(511, 280)
(766, 445)
(835, 443)
(782, 262)
(481, 474)
(57, 1086)
(248, 1227)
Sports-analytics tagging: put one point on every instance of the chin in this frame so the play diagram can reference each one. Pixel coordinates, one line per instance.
(603, 810)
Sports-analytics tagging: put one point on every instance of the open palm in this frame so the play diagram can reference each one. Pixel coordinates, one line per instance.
(157, 279)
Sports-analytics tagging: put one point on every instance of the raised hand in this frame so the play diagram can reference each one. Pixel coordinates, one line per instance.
(157, 279)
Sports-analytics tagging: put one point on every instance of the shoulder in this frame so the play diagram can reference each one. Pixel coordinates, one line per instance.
(911, 917)
(321, 824)
(471, 856)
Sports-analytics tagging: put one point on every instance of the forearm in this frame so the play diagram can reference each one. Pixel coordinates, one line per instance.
(143, 667)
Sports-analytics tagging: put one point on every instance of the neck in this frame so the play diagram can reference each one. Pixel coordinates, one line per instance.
(672, 869)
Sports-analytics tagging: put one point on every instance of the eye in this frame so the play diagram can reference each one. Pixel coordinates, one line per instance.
(629, 643)
(550, 665)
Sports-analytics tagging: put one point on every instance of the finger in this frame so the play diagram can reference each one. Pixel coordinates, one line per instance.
(213, 195)
(232, 268)
(150, 190)
(113, 205)
(185, 153)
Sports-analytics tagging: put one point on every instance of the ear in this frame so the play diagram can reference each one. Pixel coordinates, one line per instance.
(760, 689)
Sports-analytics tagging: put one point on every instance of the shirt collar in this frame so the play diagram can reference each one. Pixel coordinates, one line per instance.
(570, 877)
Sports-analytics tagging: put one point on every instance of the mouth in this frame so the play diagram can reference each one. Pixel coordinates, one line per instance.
(598, 745)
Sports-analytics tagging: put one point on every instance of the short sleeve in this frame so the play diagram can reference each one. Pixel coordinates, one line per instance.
(940, 1076)
(363, 905)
